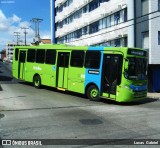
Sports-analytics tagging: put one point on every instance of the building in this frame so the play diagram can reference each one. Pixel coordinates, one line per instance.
(10, 50)
(147, 36)
(45, 41)
(132, 23)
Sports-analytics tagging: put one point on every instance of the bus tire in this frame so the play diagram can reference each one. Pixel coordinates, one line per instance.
(93, 93)
(37, 81)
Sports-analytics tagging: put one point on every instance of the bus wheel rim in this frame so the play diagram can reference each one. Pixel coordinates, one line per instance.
(94, 93)
(37, 82)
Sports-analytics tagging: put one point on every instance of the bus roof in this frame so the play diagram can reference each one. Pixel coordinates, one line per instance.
(70, 47)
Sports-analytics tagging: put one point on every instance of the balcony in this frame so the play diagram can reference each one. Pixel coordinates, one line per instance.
(59, 2)
(112, 6)
(76, 5)
(103, 35)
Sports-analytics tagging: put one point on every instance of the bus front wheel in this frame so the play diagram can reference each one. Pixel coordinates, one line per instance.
(93, 93)
(37, 81)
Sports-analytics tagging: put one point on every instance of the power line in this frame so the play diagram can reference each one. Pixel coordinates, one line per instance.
(25, 33)
(17, 35)
(121, 27)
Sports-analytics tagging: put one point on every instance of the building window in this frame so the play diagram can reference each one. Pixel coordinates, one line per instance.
(85, 30)
(117, 18)
(108, 21)
(158, 5)
(158, 37)
(145, 7)
(125, 15)
(145, 40)
(93, 5)
(94, 27)
(117, 42)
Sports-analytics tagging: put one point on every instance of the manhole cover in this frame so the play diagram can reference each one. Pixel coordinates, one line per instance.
(90, 121)
(1, 116)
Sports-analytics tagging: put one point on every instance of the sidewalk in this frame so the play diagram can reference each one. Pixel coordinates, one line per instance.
(153, 95)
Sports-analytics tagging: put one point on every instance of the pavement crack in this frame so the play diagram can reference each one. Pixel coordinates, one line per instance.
(44, 108)
(13, 97)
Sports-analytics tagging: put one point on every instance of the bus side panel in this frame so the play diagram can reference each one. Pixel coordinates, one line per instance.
(47, 73)
(76, 78)
(30, 71)
(94, 75)
(15, 69)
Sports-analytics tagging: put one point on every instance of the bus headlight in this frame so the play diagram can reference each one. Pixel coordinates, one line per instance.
(127, 87)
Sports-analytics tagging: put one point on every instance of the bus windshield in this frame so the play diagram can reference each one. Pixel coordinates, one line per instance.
(137, 69)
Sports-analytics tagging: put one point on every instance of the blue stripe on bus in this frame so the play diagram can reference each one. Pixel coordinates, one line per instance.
(94, 75)
(138, 88)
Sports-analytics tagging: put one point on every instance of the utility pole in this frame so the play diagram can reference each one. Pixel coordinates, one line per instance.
(25, 33)
(17, 34)
(37, 21)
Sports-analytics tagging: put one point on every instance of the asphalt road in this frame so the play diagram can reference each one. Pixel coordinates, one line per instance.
(30, 113)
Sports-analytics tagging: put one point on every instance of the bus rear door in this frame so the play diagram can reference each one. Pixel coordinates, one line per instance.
(21, 64)
(111, 74)
(62, 69)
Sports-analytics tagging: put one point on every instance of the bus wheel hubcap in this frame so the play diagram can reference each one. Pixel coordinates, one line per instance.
(94, 93)
(36, 82)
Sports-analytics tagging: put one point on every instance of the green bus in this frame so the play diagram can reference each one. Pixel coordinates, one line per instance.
(116, 73)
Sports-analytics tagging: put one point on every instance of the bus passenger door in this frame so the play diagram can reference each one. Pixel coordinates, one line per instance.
(62, 69)
(111, 77)
(21, 65)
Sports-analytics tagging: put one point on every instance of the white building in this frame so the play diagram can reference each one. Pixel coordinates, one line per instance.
(88, 22)
(10, 50)
(132, 23)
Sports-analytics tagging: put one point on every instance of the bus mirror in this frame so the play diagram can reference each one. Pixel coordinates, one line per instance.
(126, 65)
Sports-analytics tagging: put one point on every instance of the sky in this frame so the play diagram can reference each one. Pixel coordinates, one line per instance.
(15, 14)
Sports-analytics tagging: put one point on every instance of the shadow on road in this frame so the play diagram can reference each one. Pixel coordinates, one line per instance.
(5, 78)
(140, 102)
(105, 101)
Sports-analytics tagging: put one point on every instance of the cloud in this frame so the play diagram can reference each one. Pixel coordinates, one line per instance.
(9, 25)
(4, 23)
(15, 19)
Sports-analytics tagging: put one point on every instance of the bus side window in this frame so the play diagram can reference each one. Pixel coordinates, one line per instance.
(92, 59)
(50, 57)
(31, 55)
(77, 59)
(40, 55)
(16, 53)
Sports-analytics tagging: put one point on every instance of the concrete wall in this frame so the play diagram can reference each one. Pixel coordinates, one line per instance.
(154, 27)
(142, 24)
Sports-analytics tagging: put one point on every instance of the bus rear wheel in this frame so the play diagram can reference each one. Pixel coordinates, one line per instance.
(93, 93)
(37, 81)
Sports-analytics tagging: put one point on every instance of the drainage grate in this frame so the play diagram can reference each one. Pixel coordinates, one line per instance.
(90, 121)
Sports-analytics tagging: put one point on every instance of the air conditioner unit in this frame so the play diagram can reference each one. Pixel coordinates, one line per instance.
(120, 36)
(119, 6)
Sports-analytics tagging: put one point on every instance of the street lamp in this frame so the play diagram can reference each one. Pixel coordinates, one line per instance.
(37, 35)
